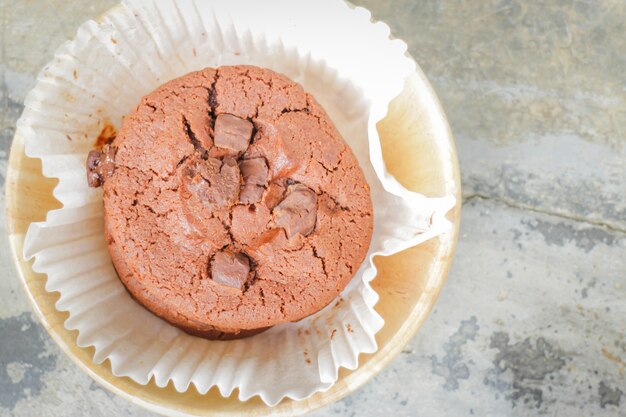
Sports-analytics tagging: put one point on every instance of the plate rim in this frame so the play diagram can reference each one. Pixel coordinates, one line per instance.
(355, 379)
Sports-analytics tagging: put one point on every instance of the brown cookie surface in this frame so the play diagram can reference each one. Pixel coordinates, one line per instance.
(232, 203)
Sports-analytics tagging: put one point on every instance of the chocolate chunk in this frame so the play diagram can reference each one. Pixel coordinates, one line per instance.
(274, 195)
(285, 160)
(93, 167)
(232, 132)
(250, 194)
(210, 183)
(254, 172)
(100, 166)
(230, 269)
(268, 243)
(297, 213)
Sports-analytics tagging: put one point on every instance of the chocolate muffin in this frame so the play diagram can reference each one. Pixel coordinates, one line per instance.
(231, 203)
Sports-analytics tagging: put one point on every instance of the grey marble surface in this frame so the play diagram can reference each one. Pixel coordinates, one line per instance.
(532, 320)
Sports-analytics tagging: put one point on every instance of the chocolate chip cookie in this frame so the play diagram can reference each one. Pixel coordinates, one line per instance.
(232, 203)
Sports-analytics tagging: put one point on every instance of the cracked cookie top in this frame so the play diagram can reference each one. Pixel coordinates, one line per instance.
(232, 203)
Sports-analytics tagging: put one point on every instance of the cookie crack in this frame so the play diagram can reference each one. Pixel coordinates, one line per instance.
(193, 139)
(321, 258)
(282, 308)
(213, 103)
(262, 295)
(229, 232)
(335, 202)
(182, 161)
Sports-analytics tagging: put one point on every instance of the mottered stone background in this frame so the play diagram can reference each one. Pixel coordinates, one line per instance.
(532, 319)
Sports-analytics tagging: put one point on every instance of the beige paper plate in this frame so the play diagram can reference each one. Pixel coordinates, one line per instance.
(418, 149)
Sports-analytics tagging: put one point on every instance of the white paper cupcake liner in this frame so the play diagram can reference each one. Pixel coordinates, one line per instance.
(351, 67)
